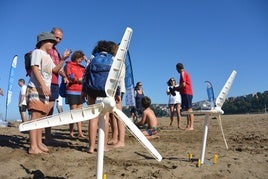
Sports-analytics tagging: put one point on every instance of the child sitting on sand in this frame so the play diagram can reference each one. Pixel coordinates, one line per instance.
(148, 118)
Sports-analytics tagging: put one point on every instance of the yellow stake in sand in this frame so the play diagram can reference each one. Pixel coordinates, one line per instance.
(215, 158)
(190, 156)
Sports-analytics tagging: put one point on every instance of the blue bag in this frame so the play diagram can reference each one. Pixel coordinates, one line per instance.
(62, 89)
(96, 74)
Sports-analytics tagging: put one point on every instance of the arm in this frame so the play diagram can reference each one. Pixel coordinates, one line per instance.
(22, 96)
(63, 75)
(65, 55)
(143, 119)
(36, 72)
(168, 90)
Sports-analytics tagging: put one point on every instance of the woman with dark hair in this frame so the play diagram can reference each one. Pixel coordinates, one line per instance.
(139, 94)
(174, 101)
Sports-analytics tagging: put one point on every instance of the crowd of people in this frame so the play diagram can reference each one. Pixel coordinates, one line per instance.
(41, 92)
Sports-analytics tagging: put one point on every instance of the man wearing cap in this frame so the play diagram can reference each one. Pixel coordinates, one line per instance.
(38, 90)
(55, 55)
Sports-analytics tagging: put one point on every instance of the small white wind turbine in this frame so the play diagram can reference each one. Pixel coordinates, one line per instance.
(215, 110)
(108, 104)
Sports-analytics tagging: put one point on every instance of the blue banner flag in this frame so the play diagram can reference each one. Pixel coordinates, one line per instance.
(129, 82)
(11, 81)
(210, 93)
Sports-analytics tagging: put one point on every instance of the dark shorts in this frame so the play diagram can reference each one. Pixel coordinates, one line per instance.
(151, 132)
(175, 105)
(22, 108)
(186, 101)
(133, 109)
(100, 93)
(72, 99)
(54, 92)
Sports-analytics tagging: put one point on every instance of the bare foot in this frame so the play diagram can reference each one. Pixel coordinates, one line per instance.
(119, 144)
(179, 127)
(112, 142)
(72, 136)
(35, 151)
(153, 137)
(43, 147)
(189, 129)
(171, 123)
(82, 136)
(91, 150)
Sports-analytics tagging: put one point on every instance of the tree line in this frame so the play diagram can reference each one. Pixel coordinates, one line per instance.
(251, 103)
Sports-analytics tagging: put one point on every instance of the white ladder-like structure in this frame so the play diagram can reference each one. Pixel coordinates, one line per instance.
(215, 111)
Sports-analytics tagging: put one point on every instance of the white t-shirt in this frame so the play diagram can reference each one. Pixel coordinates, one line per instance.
(174, 99)
(45, 63)
(23, 92)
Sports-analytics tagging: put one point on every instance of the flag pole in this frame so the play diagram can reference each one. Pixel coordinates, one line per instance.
(10, 83)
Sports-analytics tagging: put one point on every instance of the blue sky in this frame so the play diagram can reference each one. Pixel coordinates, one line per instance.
(210, 37)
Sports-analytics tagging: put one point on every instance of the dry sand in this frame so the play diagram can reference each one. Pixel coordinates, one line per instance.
(246, 158)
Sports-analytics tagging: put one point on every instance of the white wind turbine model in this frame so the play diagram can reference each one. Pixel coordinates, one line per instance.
(215, 110)
(108, 104)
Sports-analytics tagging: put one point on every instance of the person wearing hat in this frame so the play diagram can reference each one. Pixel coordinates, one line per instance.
(186, 90)
(38, 89)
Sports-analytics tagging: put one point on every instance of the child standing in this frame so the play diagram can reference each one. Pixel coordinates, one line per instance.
(148, 118)
(38, 89)
(102, 50)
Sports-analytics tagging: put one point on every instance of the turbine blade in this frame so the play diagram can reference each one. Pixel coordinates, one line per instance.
(135, 131)
(68, 117)
(119, 60)
(220, 124)
(225, 90)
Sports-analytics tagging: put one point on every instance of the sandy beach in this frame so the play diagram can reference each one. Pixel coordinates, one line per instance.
(246, 135)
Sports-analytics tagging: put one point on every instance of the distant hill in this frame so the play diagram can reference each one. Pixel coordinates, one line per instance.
(251, 103)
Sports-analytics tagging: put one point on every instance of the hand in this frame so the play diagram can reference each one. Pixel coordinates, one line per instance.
(65, 80)
(66, 54)
(172, 91)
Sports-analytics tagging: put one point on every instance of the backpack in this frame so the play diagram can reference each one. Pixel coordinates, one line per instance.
(62, 89)
(96, 73)
(27, 63)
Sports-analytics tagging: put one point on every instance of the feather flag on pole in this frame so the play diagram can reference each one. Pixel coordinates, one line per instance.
(210, 93)
(10, 83)
(129, 82)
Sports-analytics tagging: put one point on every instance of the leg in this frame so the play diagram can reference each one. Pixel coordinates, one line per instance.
(40, 144)
(23, 116)
(71, 129)
(178, 112)
(171, 109)
(114, 127)
(92, 128)
(190, 120)
(34, 135)
(121, 127)
(71, 126)
(79, 125)
(80, 132)
(48, 135)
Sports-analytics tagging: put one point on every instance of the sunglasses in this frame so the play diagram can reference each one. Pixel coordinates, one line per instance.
(58, 38)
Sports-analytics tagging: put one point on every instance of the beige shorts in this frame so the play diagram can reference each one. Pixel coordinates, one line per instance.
(36, 101)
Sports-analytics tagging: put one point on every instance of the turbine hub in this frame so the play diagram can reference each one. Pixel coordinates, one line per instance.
(109, 104)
